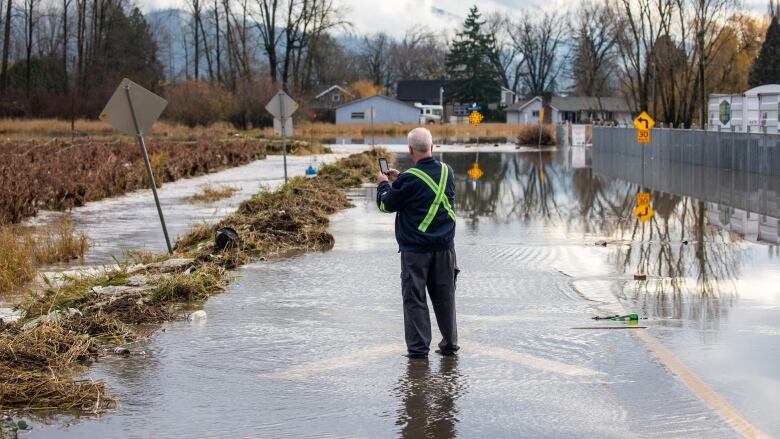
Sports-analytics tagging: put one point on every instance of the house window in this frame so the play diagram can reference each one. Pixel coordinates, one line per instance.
(360, 115)
(335, 97)
(535, 113)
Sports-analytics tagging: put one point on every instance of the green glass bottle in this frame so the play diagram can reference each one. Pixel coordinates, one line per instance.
(625, 318)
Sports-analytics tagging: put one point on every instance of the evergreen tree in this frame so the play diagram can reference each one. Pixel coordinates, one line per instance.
(766, 69)
(472, 75)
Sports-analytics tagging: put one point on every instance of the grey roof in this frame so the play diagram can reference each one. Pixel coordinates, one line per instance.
(576, 103)
(424, 91)
(517, 106)
(580, 103)
(327, 89)
(405, 104)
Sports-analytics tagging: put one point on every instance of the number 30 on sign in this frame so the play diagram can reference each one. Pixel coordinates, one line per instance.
(643, 135)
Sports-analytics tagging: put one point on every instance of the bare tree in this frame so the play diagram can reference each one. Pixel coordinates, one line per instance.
(593, 34)
(418, 55)
(269, 10)
(540, 38)
(217, 31)
(30, 20)
(709, 16)
(375, 58)
(638, 25)
(509, 58)
(6, 47)
(196, 10)
(65, 7)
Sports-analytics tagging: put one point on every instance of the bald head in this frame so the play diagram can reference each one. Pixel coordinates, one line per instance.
(420, 141)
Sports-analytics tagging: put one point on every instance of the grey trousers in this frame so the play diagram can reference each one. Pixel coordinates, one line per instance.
(438, 271)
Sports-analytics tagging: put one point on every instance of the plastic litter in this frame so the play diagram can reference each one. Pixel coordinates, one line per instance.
(226, 238)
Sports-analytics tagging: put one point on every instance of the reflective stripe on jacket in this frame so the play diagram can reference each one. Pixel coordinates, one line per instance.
(425, 219)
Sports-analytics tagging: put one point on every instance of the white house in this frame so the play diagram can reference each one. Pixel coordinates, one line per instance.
(508, 97)
(572, 109)
(754, 109)
(385, 110)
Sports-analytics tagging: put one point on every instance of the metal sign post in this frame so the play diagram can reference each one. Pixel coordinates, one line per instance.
(284, 141)
(373, 141)
(140, 136)
(133, 110)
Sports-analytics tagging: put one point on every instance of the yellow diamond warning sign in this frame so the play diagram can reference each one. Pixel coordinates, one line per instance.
(475, 173)
(475, 117)
(643, 124)
(644, 121)
(643, 212)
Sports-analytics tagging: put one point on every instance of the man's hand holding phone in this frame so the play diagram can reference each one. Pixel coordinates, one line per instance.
(392, 174)
(385, 172)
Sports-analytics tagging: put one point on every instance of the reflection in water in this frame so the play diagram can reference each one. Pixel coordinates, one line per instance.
(693, 263)
(427, 408)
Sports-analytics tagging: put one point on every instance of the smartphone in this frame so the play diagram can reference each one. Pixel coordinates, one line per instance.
(383, 165)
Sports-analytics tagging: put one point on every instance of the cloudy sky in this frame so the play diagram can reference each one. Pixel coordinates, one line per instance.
(396, 16)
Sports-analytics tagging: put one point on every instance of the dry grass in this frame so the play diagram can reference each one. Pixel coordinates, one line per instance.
(59, 127)
(210, 193)
(23, 249)
(296, 147)
(59, 174)
(57, 242)
(37, 369)
(70, 291)
(324, 130)
(303, 130)
(17, 266)
(194, 287)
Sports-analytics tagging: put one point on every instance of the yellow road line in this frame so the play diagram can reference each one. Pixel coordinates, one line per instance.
(700, 389)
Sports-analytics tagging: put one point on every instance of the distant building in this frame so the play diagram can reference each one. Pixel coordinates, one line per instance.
(577, 110)
(322, 107)
(426, 92)
(385, 110)
(331, 97)
(508, 97)
(755, 109)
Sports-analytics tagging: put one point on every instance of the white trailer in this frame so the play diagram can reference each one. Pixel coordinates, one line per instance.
(768, 108)
(751, 110)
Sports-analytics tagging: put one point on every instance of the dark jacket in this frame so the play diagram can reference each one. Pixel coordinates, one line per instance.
(411, 198)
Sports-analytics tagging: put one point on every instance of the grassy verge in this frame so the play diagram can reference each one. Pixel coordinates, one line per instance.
(69, 319)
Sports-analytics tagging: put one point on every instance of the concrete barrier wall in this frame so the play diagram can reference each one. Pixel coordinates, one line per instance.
(756, 153)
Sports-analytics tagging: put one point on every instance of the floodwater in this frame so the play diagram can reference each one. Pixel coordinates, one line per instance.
(130, 222)
(311, 346)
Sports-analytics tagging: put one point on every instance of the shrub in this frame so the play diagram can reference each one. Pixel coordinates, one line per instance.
(251, 99)
(529, 135)
(196, 103)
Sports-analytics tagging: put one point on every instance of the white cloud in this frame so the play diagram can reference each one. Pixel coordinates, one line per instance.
(396, 16)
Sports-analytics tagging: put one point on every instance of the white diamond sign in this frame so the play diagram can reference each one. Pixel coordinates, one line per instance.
(148, 107)
(281, 106)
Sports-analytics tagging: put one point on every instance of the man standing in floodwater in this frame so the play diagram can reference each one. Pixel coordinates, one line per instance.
(423, 197)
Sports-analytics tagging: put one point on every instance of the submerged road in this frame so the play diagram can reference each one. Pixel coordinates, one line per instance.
(311, 346)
